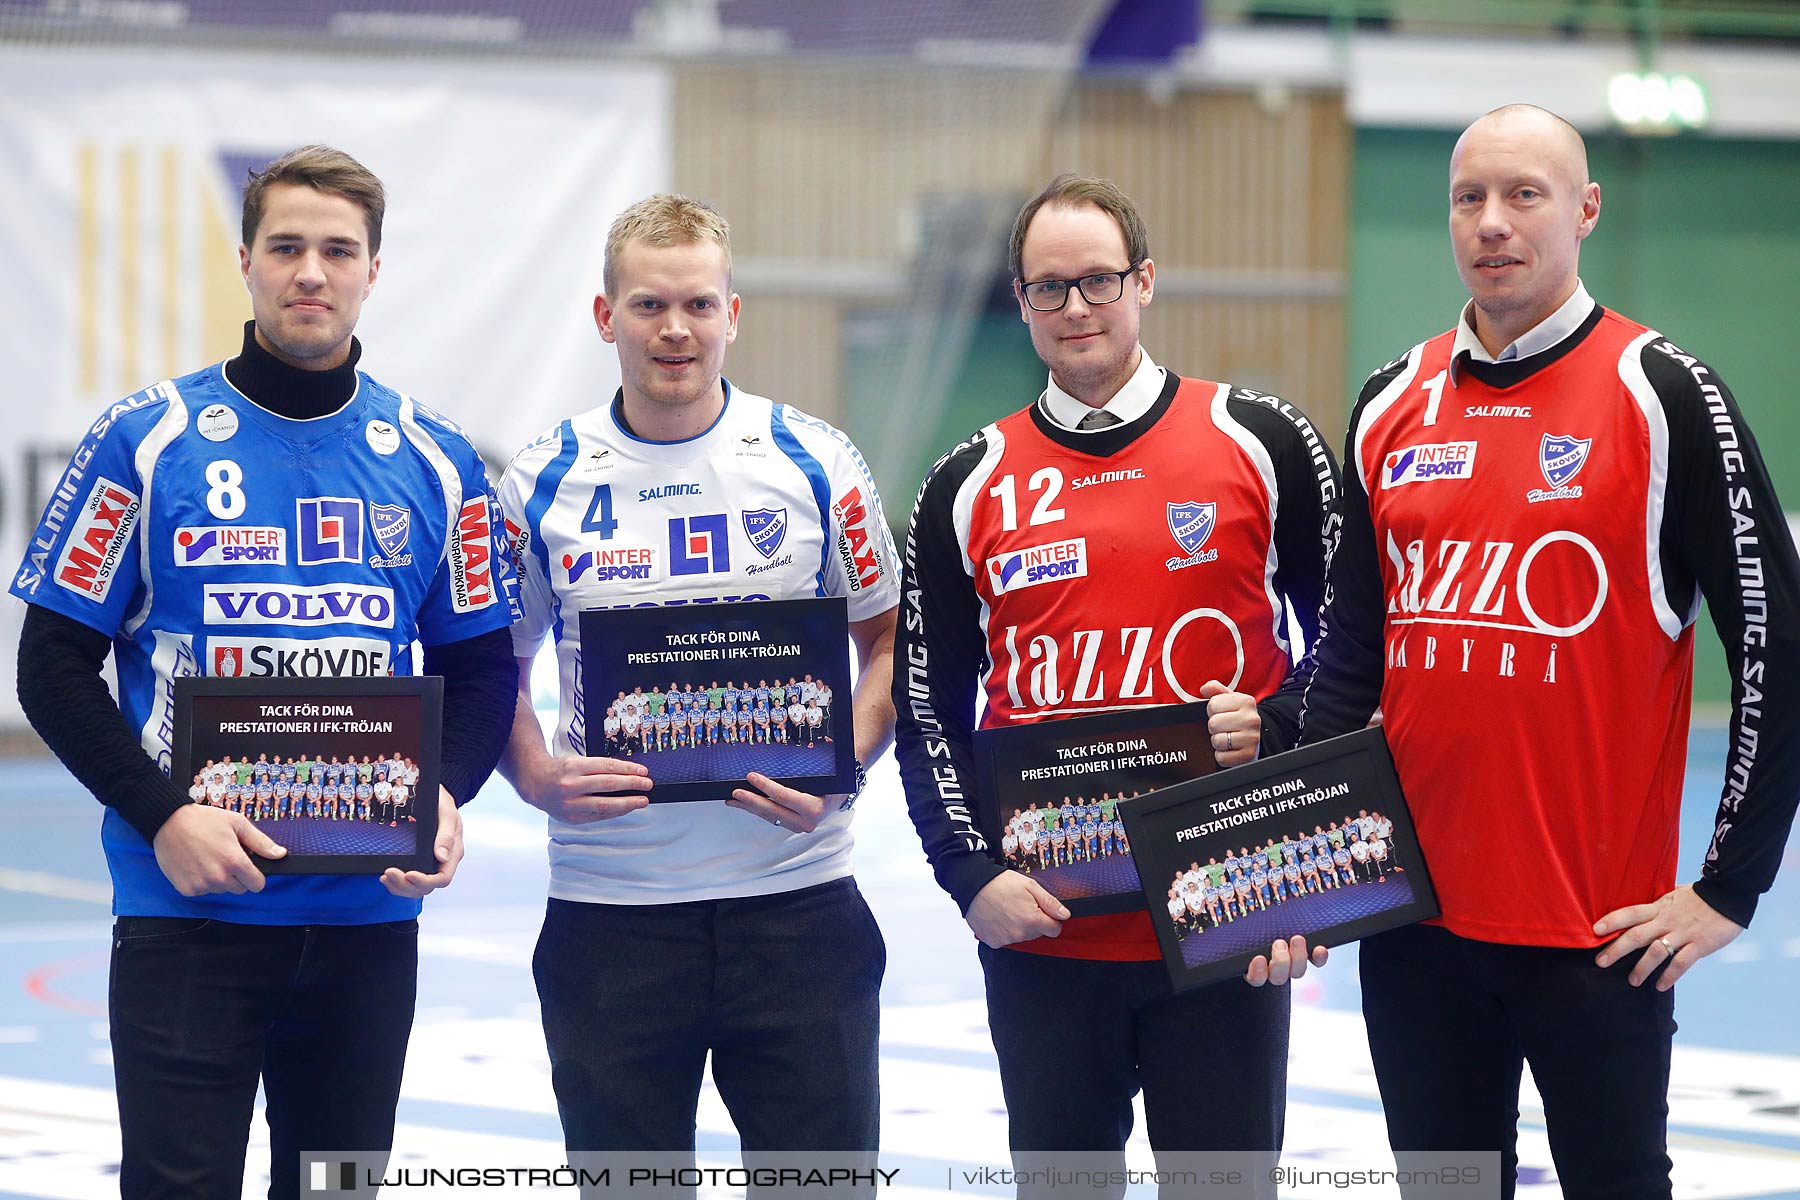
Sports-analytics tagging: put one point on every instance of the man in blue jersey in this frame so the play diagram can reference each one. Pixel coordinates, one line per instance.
(731, 927)
(218, 523)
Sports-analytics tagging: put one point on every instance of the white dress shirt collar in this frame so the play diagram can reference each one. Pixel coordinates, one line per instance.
(1539, 338)
(1128, 404)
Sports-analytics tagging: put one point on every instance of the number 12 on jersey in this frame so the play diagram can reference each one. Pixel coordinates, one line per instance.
(1048, 480)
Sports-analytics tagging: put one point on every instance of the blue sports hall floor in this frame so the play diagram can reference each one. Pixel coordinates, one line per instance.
(477, 1085)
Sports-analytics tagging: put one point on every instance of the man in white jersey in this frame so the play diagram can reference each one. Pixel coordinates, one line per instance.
(730, 927)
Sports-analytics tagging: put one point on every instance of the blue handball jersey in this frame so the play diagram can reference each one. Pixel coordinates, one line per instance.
(767, 504)
(207, 536)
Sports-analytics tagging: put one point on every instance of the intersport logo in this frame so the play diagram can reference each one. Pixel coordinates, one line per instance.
(1425, 464)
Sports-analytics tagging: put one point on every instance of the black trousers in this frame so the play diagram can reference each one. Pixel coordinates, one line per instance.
(1078, 1038)
(1451, 1022)
(202, 1010)
(781, 990)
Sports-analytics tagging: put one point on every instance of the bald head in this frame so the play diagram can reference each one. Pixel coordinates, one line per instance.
(1520, 205)
(1554, 142)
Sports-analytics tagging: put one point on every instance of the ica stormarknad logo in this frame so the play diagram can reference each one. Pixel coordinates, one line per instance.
(1050, 563)
(90, 558)
(1191, 523)
(1429, 463)
(856, 547)
(1560, 458)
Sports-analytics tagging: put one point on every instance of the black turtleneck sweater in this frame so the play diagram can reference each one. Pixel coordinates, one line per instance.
(66, 700)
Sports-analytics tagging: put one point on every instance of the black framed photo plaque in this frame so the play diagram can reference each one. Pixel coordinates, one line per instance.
(341, 772)
(1048, 796)
(701, 694)
(1317, 841)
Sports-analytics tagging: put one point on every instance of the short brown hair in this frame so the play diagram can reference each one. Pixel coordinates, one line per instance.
(1070, 190)
(666, 219)
(322, 169)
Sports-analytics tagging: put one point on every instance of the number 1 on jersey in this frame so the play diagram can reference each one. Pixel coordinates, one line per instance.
(1434, 392)
(599, 517)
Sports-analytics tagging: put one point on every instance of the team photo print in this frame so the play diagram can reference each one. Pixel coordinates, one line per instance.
(703, 700)
(342, 773)
(1050, 793)
(1316, 842)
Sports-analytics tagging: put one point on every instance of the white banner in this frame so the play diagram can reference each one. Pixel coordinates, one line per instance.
(121, 175)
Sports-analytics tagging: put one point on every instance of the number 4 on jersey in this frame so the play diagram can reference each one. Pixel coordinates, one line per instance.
(599, 517)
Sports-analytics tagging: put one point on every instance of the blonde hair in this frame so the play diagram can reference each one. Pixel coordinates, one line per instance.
(666, 219)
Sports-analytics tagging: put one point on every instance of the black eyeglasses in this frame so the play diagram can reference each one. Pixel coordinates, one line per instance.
(1049, 295)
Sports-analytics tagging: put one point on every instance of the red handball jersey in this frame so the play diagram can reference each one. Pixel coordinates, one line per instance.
(1525, 549)
(1069, 573)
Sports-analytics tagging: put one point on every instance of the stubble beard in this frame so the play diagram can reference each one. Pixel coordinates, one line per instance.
(1090, 374)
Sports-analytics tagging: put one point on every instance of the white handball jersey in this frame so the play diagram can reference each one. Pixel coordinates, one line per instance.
(767, 504)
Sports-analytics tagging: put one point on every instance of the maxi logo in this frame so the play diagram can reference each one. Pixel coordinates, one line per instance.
(328, 529)
(1033, 565)
(218, 545)
(766, 528)
(699, 545)
(1429, 463)
(331, 657)
(97, 540)
(289, 604)
(862, 565)
(471, 556)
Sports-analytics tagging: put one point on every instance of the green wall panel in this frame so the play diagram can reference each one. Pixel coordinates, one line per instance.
(1697, 238)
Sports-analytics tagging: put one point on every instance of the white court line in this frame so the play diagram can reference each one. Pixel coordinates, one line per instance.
(40, 883)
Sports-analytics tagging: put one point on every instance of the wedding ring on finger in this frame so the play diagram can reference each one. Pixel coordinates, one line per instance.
(1228, 744)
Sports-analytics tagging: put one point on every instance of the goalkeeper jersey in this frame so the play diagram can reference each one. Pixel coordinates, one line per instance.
(208, 536)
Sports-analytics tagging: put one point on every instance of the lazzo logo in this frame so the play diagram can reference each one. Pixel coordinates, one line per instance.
(322, 658)
(862, 563)
(289, 604)
(90, 558)
(1049, 563)
(218, 545)
(699, 545)
(1104, 666)
(1475, 599)
(471, 556)
(1424, 464)
(605, 565)
(329, 529)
